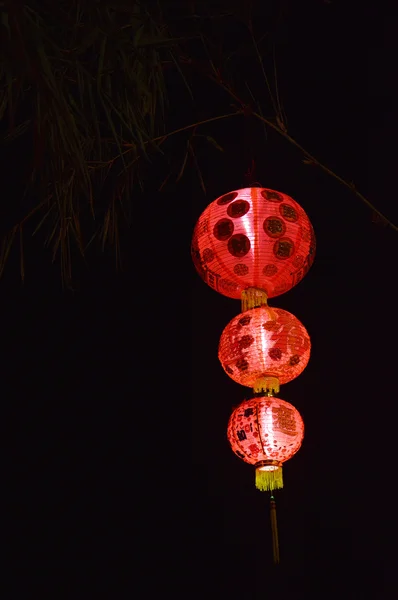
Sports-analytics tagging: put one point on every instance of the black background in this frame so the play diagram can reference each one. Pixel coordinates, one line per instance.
(116, 406)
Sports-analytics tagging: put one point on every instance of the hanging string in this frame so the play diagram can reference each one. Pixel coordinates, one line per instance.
(274, 530)
(250, 173)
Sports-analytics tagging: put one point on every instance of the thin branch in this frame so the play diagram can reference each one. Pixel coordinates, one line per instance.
(186, 127)
(311, 159)
(261, 62)
(164, 137)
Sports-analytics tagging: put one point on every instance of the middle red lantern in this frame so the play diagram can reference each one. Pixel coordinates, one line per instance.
(264, 342)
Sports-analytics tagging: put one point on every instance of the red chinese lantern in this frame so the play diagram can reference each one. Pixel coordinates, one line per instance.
(253, 238)
(264, 342)
(265, 432)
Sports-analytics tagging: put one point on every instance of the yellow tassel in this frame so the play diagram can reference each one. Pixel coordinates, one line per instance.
(269, 476)
(253, 298)
(268, 385)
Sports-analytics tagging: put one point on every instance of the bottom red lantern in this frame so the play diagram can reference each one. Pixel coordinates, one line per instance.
(265, 432)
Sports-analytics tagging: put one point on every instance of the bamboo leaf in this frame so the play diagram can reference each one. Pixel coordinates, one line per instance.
(211, 140)
(181, 75)
(214, 143)
(21, 255)
(88, 41)
(184, 162)
(6, 247)
(149, 41)
(164, 182)
(5, 22)
(199, 172)
(17, 131)
(3, 104)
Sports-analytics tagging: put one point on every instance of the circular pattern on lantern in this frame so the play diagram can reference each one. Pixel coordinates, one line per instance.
(263, 231)
(208, 255)
(239, 245)
(274, 227)
(270, 270)
(227, 198)
(265, 428)
(272, 195)
(223, 229)
(265, 342)
(288, 213)
(298, 261)
(238, 209)
(284, 248)
(241, 269)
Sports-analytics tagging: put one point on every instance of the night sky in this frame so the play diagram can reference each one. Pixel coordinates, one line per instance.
(116, 406)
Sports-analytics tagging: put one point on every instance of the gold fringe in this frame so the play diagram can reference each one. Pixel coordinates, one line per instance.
(268, 385)
(267, 480)
(253, 298)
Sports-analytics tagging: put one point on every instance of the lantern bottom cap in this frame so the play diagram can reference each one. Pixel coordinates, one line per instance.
(268, 468)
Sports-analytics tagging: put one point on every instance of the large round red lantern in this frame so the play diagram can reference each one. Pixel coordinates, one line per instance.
(253, 238)
(265, 432)
(264, 342)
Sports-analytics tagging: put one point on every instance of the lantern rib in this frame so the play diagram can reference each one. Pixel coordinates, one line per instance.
(259, 430)
(240, 446)
(256, 249)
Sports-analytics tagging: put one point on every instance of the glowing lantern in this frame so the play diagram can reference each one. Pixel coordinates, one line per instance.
(264, 342)
(253, 238)
(265, 432)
